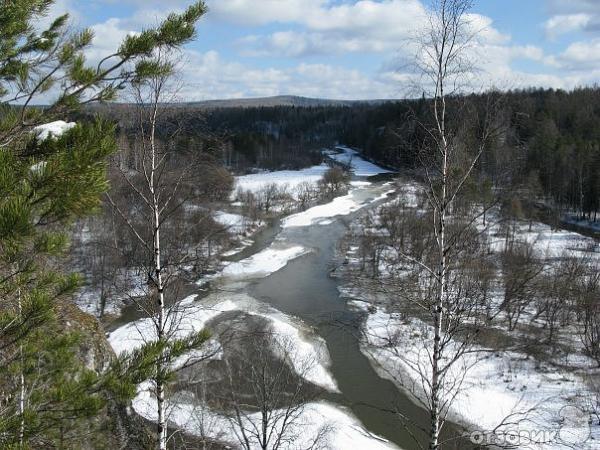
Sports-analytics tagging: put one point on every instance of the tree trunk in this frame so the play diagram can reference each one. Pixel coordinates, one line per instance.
(22, 391)
(158, 279)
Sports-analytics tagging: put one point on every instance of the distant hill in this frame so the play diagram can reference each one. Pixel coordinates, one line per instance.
(280, 100)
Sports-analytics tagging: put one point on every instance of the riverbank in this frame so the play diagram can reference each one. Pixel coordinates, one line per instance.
(505, 384)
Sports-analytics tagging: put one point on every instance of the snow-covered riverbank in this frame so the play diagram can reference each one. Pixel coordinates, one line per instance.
(498, 391)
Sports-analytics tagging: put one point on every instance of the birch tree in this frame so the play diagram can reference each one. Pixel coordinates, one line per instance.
(457, 134)
(447, 290)
(159, 189)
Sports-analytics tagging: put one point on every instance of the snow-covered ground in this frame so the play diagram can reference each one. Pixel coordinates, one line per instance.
(339, 429)
(359, 166)
(293, 178)
(506, 389)
(235, 223)
(308, 353)
(503, 391)
(547, 242)
(290, 178)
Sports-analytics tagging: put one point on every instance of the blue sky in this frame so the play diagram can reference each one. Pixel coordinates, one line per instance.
(354, 49)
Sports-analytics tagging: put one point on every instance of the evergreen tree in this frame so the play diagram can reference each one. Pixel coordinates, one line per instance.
(47, 180)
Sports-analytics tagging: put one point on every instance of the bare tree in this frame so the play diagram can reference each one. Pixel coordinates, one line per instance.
(446, 290)
(266, 397)
(158, 186)
(521, 269)
(334, 181)
(448, 165)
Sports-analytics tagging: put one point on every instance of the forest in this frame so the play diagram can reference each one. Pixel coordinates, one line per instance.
(549, 151)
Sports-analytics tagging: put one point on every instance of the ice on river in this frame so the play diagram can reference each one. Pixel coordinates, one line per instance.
(358, 165)
(264, 263)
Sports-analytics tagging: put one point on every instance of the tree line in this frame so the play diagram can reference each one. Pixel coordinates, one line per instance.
(549, 151)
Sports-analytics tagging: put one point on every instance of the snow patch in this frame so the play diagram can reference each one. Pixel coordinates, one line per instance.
(53, 129)
(290, 178)
(343, 430)
(358, 165)
(264, 263)
(339, 206)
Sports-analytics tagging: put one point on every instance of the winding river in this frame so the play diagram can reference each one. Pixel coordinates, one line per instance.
(305, 289)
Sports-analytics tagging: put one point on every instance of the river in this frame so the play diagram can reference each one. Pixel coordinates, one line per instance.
(305, 289)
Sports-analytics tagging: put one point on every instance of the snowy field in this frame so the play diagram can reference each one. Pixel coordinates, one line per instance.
(289, 178)
(339, 429)
(293, 178)
(503, 391)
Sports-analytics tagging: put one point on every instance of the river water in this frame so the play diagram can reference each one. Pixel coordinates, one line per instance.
(305, 289)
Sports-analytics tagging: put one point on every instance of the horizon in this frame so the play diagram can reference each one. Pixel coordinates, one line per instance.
(353, 49)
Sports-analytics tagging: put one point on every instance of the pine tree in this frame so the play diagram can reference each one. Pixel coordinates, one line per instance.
(46, 182)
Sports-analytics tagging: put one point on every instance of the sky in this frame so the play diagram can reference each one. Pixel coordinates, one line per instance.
(353, 49)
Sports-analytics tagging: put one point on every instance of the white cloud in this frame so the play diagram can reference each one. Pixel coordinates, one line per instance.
(209, 76)
(377, 27)
(299, 44)
(566, 23)
(365, 25)
(578, 56)
(261, 12)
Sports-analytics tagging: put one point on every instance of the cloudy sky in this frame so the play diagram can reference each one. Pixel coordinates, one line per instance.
(353, 49)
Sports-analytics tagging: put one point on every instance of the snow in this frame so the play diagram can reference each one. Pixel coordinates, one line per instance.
(343, 431)
(511, 382)
(265, 262)
(53, 129)
(498, 384)
(309, 354)
(339, 206)
(236, 223)
(359, 166)
(189, 317)
(308, 357)
(290, 178)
